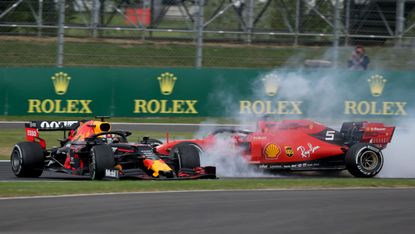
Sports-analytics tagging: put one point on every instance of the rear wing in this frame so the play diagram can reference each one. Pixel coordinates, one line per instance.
(53, 125)
(33, 128)
(375, 133)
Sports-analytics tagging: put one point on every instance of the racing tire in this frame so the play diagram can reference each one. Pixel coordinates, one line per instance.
(102, 158)
(27, 159)
(364, 160)
(187, 155)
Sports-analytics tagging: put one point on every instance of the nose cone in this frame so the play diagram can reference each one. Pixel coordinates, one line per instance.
(157, 166)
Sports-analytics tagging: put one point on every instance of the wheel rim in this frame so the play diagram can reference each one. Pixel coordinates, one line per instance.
(15, 161)
(369, 160)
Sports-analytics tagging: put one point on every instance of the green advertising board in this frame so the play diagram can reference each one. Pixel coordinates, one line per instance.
(206, 92)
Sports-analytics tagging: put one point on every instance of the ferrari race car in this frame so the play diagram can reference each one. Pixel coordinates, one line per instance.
(301, 145)
(91, 148)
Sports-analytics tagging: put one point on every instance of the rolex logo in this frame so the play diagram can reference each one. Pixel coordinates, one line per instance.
(167, 81)
(271, 84)
(61, 82)
(376, 84)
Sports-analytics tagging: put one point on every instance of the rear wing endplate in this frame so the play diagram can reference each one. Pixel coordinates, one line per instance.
(53, 125)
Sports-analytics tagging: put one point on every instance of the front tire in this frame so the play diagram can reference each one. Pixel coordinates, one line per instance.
(364, 160)
(102, 158)
(27, 159)
(187, 155)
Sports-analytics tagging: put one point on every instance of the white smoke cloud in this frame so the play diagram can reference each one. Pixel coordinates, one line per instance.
(399, 154)
(228, 160)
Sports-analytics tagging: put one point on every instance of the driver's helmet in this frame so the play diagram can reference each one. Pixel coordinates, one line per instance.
(106, 138)
(111, 138)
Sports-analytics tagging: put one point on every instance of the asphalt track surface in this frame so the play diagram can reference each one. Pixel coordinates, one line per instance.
(310, 211)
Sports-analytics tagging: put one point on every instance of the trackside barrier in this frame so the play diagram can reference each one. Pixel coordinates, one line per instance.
(339, 94)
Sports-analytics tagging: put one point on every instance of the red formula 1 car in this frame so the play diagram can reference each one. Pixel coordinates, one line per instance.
(302, 145)
(91, 148)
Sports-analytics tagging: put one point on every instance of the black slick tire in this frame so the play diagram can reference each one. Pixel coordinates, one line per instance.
(187, 155)
(364, 160)
(27, 159)
(102, 158)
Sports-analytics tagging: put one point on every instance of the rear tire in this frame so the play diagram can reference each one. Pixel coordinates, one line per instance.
(27, 159)
(364, 160)
(102, 158)
(187, 155)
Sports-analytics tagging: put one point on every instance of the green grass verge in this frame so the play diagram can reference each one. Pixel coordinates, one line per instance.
(20, 51)
(10, 189)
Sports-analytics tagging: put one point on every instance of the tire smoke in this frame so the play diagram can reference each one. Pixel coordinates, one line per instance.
(228, 160)
(399, 156)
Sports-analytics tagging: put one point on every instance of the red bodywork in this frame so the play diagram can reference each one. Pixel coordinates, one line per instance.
(297, 143)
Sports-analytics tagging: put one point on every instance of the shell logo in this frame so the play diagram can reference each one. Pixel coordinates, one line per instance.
(272, 151)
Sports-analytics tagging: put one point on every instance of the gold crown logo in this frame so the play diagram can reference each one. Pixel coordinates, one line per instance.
(167, 81)
(61, 82)
(271, 84)
(376, 84)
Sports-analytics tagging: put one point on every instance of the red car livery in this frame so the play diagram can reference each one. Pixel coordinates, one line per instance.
(303, 145)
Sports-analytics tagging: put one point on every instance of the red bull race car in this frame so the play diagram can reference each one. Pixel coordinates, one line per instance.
(91, 148)
(301, 145)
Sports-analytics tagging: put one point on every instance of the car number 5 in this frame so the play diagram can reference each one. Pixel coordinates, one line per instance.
(330, 135)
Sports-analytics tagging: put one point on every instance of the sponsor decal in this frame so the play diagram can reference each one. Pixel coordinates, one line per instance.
(111, 173)
(32, 133)
(374, 108)
(289, 151)
(270, 82)
(60, 82)
(376, 84)
(272, 151)
(289, 166)
(270, 107)
(56, 124)
(155, 106)
(259, 138)
(308, 151)
(167, 81)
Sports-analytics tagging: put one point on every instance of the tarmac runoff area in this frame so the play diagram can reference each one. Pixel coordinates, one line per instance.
(265, 211)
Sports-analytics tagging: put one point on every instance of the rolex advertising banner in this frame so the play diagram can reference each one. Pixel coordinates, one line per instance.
(158, 92)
